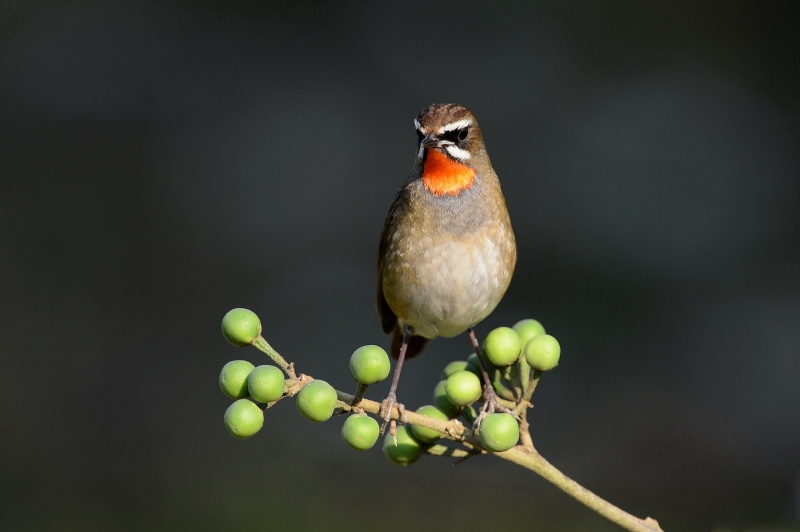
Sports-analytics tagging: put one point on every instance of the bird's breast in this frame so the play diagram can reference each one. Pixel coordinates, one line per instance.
(442, 278)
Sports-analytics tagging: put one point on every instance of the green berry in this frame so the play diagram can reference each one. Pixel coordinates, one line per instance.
(542, 352)
(499, 432)
(426, 435)
(527, 329)
(243, 419)
(241, 326)
(370, 364)
(316, 401)
(443, 403)
(452, 367)
(407, 451)
(360, 432)
(233, 378)
(266, 384)
(463, 388)
(502, 346)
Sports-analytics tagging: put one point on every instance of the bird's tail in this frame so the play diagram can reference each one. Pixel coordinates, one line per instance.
(415, 344)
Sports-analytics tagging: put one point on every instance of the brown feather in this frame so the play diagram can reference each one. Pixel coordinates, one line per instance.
(385, 313)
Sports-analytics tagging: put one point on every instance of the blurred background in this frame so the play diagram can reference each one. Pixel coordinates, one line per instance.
(165, 161)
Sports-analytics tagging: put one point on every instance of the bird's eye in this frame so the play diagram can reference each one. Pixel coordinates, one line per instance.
(420, 136)
(451, 136)
(462, 134)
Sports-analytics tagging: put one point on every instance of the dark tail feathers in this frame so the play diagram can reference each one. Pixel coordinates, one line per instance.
(415, 344)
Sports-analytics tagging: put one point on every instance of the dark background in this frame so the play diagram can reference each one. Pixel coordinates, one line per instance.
(163, 162)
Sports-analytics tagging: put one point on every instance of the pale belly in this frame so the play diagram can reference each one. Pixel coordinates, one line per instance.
(443, 286)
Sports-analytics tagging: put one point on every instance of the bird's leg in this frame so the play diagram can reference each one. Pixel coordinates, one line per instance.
(388, 404)
(490, 403)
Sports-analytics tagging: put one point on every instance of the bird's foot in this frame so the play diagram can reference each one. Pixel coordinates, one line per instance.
(490, 406)
(387, 405)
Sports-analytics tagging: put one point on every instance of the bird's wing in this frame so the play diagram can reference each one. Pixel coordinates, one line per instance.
(385, 313)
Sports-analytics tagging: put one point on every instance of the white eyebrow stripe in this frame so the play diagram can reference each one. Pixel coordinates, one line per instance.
(416, 124)
(459, 124)
(457, 152)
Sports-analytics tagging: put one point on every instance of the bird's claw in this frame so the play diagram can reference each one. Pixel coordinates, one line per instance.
(490, 406)
(387, 405)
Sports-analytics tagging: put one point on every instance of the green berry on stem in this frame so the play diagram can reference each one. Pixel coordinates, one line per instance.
(316, 401)
(426, 435)
(243, 419)
(360, 432)
(233, 378)
(452, 367)
(463, 388)
(406, 452)
(527, 329)
(542, 352)
(502, 346)
(266, 384)
(370, 364)
(443, 403)
(241, 326)
(499, 432)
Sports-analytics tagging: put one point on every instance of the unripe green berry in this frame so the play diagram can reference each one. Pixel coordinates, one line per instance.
(499, 432)
(316, 401)
(443, 403)
(360, 432)
(370, 364)
(266, 384)
(407, 451)
(452, 367)
(463, 388)
(542, 352)
(527, 329)
(233, 378)
(241, 326)
(426, 435)
(243, 419)
(502, 346)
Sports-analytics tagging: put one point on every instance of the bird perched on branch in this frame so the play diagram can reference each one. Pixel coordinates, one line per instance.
(447, 250)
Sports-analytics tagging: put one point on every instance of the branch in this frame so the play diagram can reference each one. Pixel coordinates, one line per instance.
(520, 455)
(535, 462)
(524, 455)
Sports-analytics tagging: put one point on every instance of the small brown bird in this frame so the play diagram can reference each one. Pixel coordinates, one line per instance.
(447, 251)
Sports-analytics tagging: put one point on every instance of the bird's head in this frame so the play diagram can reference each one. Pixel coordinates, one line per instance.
(450, 144)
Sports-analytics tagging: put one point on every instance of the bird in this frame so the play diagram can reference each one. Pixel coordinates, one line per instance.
(447, 250)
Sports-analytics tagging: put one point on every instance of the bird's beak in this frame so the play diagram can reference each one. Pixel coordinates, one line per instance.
(430, 142)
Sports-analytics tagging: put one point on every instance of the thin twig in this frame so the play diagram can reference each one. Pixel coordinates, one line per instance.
(264, 347)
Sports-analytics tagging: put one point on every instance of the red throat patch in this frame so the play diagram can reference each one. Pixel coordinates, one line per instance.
(444, 176)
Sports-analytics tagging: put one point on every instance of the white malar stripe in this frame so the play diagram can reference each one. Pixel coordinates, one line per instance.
(459, 124)
(421, 152)
(458, 153)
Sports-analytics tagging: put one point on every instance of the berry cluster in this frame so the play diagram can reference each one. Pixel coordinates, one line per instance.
(514, 360)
